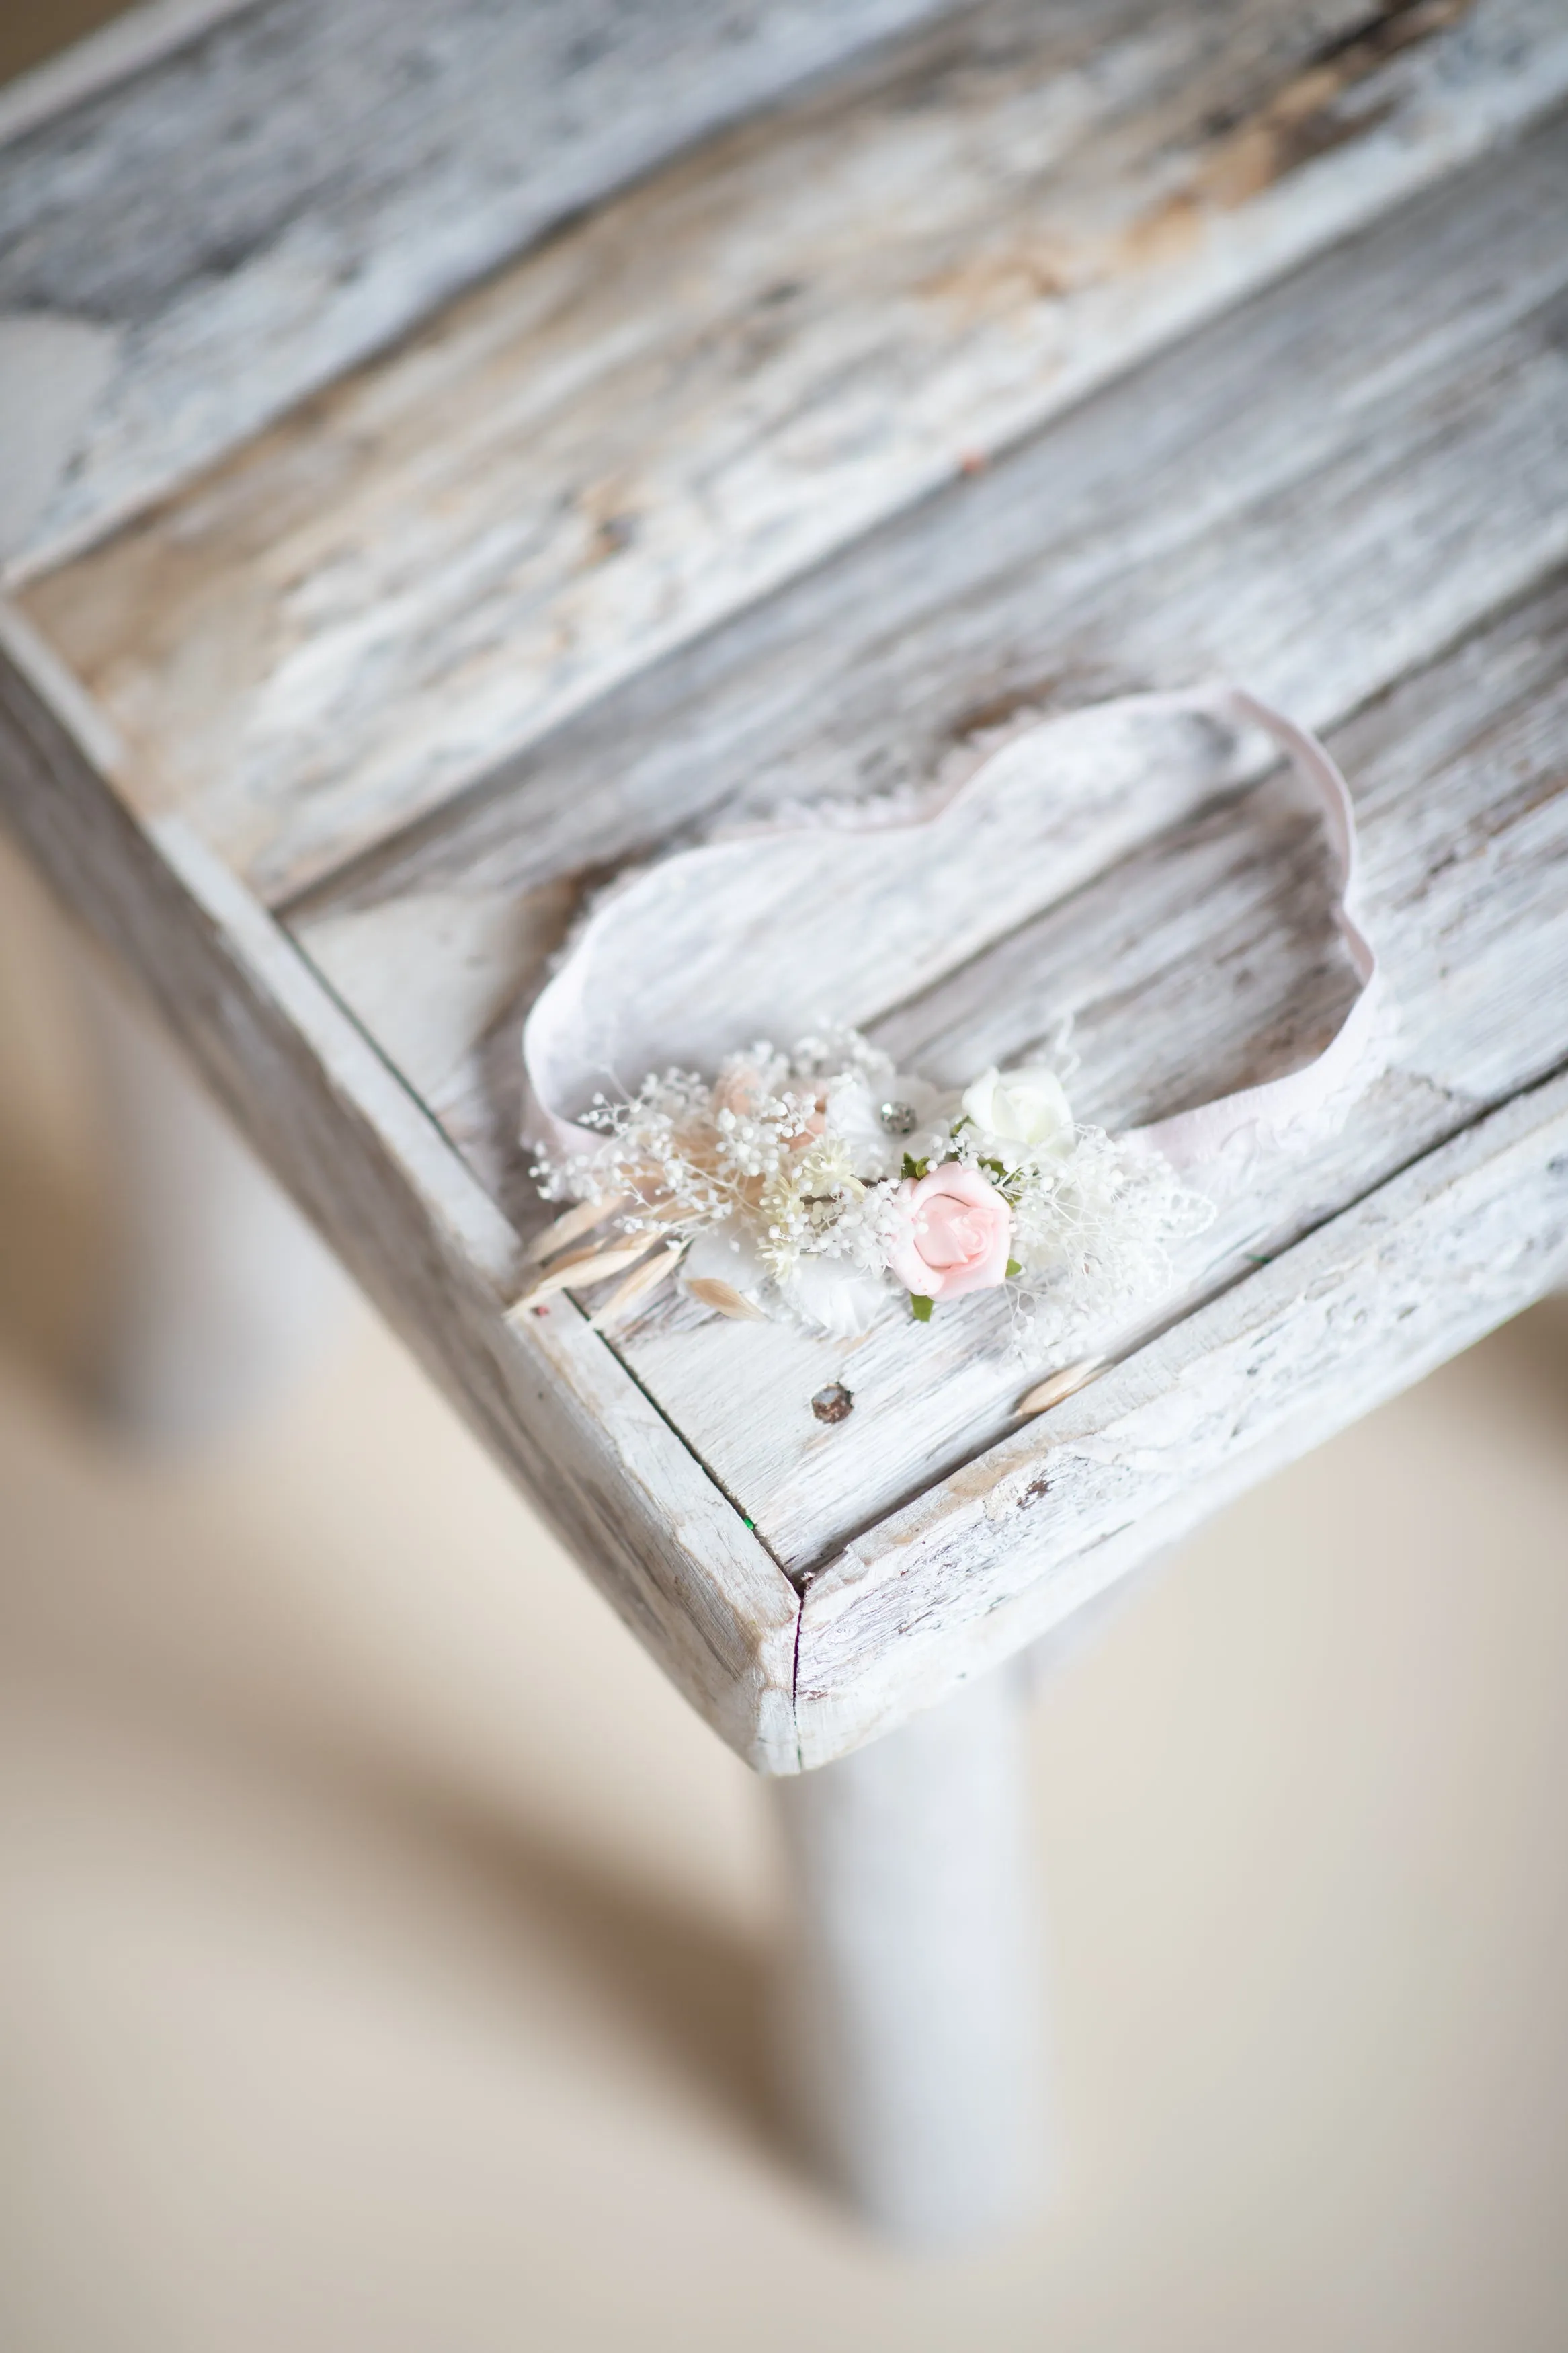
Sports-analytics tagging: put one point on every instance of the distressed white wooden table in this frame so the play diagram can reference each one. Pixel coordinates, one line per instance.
(445, 456)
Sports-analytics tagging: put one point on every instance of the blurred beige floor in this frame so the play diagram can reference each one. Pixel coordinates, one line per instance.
(384, 1945)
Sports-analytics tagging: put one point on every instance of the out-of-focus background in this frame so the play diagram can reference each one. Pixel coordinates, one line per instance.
(385, 1943)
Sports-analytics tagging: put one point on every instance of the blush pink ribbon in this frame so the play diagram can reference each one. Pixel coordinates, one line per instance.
(768, 933)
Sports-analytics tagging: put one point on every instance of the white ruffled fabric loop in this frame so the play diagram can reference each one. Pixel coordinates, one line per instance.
(722, 943)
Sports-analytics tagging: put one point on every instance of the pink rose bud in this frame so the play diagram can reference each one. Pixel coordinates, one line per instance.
(952, 1234)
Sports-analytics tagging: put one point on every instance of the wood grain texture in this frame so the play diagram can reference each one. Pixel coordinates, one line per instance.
(1257, 501)
(701, 389)
(1428, 1263)
(1022, 1537)
(406, 1217)
(286, 189)
(1206, 959)
(1303, 467)
(1351, 491)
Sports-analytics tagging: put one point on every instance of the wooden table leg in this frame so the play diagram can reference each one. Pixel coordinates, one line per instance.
(215, 1287)
(909, 2029)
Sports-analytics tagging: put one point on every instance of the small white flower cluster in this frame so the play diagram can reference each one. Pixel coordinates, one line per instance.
(824, 1180)
(1094, 1247)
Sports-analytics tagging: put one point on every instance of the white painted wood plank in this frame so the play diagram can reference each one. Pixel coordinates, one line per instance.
(1012, 1545)
(405, 1215)
(703, 389)
(1358, 466)
(1302, 467)
(1207, 961)
(1442, 1251)
(259, 205)
(1288, 462)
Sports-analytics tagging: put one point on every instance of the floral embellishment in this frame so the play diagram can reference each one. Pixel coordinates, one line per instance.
(952, 1233)
(1026, 1112)
(819, 1184)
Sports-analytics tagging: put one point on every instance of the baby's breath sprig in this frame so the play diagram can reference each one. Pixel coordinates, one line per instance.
(818, 1173)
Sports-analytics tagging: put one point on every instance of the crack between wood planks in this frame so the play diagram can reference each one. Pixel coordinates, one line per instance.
(804, 1588)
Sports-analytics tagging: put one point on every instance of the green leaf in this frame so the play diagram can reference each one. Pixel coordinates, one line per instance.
(915, 1167)
(997, 1168)
(919, 1308)
(1014, 1266)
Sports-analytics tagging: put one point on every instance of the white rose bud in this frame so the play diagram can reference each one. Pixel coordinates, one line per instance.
(1025, 1112)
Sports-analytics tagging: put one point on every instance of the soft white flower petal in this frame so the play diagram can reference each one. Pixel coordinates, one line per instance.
(979, 1096)
(729, 1253)
(1025, 1110)
(832, 1296)
(854, 1113)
